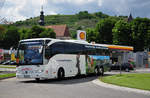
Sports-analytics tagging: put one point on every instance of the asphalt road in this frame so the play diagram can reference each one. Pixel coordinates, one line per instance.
(68, 88)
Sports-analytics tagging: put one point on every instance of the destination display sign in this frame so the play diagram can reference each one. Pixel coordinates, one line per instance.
(95, 47)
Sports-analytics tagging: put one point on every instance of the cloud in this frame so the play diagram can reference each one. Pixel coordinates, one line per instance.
(11, 10)
(116, 6)
(72, 6)
(21, 9)
(124, 7)
(74, 2)
(15, 10)
(1, 3)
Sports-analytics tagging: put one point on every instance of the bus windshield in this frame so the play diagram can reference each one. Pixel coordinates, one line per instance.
(30, 53)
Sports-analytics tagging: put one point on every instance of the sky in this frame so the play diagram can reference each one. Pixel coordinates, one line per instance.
(15, 10)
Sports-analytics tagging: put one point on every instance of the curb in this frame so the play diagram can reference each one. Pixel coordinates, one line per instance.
(120, 88)
(7, 77)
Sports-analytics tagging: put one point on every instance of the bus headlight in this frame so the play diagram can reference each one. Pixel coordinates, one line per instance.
(40, 71)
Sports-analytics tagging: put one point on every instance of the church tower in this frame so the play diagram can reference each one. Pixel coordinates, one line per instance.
(41, 21)
(130, 18)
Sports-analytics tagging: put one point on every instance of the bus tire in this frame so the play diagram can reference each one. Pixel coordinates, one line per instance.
(127, 70)
(61, 73)
(96, 70)
(101, 71)
(37, 79)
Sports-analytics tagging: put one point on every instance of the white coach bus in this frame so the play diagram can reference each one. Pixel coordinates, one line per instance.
(46, 58)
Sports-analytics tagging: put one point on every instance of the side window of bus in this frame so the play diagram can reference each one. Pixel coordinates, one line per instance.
(68, 48)
(79, 48)
(73, 48)
(57, 48)
(48, 52)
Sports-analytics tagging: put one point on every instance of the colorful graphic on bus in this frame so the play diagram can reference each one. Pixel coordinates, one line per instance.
(93, 61)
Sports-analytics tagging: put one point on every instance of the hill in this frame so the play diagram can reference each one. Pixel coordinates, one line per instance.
(82, 20)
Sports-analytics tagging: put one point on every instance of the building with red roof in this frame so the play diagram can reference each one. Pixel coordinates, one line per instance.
(62, 31)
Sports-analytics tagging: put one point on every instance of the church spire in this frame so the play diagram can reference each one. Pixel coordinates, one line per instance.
(41, 21)
(42, 8)
(130, 18)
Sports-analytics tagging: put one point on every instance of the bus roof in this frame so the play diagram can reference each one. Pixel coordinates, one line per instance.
(77, 41)
(33, 39)
(113, 47)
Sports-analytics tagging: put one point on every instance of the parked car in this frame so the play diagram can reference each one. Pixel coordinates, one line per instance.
(1, 62)
(125, 66)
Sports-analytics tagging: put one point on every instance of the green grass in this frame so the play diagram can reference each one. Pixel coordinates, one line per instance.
(7, 67)
(139, 81)
(11, 65)
(7, 75)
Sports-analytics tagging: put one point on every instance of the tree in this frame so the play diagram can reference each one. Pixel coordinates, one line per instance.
(79, 28)
(104, 28)
(91, 35)
(12, 37)
(35, 31)
(101, 15)
(48, 33)
(140, 33)
(122, 33)
(24, 33)
(2, 35)
(84, 15)
(2, 32)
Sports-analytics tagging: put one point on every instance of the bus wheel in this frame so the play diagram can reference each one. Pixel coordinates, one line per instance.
(37, 79)
(61, 73)
(96, 70)
(101, 71)
(127, 70)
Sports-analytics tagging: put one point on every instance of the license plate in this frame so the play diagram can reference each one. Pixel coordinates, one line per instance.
(26, 76)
